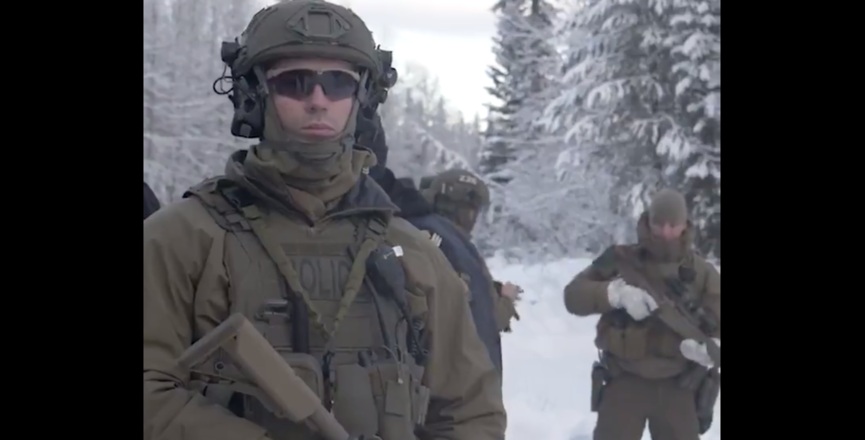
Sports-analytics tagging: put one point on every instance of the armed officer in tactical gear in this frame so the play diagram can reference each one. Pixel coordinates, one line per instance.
(659, 331)
(460, 196)
(298, 239)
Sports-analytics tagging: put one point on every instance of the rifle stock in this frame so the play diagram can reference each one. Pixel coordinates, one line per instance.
(270, 378)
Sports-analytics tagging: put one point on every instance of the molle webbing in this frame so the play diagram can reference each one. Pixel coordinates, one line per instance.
(223, 212)
(374, 227)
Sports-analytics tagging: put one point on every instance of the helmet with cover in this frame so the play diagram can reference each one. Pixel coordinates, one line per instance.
(459, 195)
(289, 30)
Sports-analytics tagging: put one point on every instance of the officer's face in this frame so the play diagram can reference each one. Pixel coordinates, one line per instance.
(667, 231)
(313, 97)
(464, 216)
(468, 217)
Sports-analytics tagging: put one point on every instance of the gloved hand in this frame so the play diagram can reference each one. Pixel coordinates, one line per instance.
(697, 352)
(511, 291)
(637, 302)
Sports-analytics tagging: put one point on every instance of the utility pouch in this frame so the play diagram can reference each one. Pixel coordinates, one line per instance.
(392, 392)
(706, 397)
(353, 403)
(693, 378)
(420, 396)
(599, 381)
(307, 369)
(629, 342)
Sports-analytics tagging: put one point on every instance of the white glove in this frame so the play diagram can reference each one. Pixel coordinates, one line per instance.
(697, 352)
(637, 302)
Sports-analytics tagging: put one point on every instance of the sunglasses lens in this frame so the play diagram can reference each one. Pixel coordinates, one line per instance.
(294, 84)
(299, 84)
(337, 85)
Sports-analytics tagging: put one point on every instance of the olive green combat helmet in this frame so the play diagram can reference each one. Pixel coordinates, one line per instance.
(458, 195)
(300, 29)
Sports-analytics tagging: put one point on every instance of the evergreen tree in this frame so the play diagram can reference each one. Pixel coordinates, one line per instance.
(502, 136)
(694, 153)
(425, 137)
(640, 103)
(186, 125)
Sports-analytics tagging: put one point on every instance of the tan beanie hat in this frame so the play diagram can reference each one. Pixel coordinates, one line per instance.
(668, 206)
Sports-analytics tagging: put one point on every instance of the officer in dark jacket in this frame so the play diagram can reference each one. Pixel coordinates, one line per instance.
(457, 248)
(460, 196)
(151, 203)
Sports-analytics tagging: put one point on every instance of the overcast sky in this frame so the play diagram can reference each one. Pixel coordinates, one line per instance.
(451, 38)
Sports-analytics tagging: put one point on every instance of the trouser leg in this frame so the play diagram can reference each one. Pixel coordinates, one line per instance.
(623, 411)
(675, 415)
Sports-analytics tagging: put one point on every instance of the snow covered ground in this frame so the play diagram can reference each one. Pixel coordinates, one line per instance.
(548, 357)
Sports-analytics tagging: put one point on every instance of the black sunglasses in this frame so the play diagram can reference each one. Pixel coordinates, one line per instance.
(299, 84)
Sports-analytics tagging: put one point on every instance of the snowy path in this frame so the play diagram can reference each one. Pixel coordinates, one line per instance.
(548, 357)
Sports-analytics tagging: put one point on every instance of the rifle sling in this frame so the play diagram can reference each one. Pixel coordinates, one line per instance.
(374, 230)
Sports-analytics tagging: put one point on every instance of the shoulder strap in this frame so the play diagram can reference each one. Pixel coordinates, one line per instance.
(371, 233)
(212, 194)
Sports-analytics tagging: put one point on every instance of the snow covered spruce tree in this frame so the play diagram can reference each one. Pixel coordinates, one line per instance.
(609, 104)
(514, 158)
(424, 135)
(522, 49)
(693, 147)
(636, 100)
(186, 125)
(500, 138)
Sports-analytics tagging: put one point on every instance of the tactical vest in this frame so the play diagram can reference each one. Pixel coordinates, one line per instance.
(300, 287)
(647, 348)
